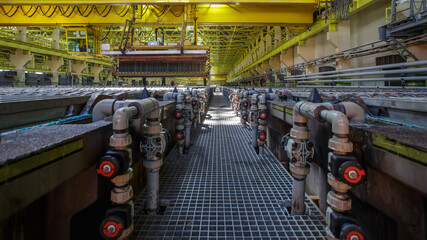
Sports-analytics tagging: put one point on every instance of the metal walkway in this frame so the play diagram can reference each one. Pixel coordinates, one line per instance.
(224, 190)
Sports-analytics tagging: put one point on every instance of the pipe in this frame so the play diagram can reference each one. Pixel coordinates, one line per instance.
(398, 71)
(392, 79)
(169, 96)
(298, 195)
(121, 118)
(105, 108)
(338, 120)
(187, 136)
(253, 120)
(254, 136)
(298, 166)
(184, 27)
(388, 66)
(354, 111)
(152, 190)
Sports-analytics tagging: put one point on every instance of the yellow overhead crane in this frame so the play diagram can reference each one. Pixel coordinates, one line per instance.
(229, 28)
(106, 13)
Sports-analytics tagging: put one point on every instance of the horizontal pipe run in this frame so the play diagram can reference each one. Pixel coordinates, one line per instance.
(397, 71)
(419, 78)
(394, 65)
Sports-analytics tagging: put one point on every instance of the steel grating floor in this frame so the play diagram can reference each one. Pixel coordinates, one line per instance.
(224, 190)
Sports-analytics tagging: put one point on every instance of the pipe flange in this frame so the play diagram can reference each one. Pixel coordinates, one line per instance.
(316, 112)
(139, 109)
(121, 195)
(153, 130)
(340, 145)
(149, 164)
(262, 107)
(262, 127)
(299, 172)
(298, 134)
(337, 203)
(263, 122)
(118, 142)
(123, 179)
(338, 185)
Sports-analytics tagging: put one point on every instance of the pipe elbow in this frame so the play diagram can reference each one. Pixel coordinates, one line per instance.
(274, 97)
(168, 96)
(354, 111)
(180, 98)
(121, 118)
(102, 110)
(338, 120)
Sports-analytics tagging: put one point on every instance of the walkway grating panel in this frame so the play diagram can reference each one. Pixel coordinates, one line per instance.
(224, 190)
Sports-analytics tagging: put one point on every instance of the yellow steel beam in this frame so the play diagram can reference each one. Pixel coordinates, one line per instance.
(317, 27)
(102, 2)
(249, 14)
(11, 44)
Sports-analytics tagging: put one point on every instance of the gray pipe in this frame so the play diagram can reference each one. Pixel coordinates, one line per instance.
(152, 204)
(254, 136)
(395, 65)
(411, 70)
(298, 189)
(105, 107)
(370, 79)
(187, 136)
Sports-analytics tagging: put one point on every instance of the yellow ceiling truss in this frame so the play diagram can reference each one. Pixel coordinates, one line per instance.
(232, 29)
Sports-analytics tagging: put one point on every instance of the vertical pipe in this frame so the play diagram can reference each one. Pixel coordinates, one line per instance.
(155, 34)
(152, 190)
(184, 26)
(298, 205)
(163, 36)
(195, 31)
(254, 136)
(187, 136)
